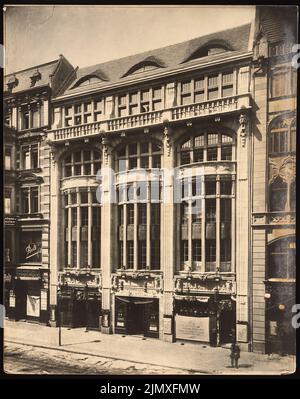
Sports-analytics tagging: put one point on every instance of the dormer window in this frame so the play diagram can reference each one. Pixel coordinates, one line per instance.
(12, 83)
(210, 49)
(148, 64)
(35, 78)
(91, 79)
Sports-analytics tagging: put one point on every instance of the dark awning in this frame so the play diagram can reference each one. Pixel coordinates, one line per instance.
(135, 301)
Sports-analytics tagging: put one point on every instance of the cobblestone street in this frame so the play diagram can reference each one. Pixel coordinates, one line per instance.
(26, 359)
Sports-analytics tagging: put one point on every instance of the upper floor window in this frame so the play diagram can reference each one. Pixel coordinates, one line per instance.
(29, 156)
(30, 199)
(81, 162)
(206, 147)
(83, 113)
(283, 82)
(206, 88)
(141, 155)
(31, 116)
(7, 202)
(8, 160)
(282, 138)
(140, 101)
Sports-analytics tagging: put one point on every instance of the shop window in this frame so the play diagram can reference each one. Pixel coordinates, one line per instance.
(155, 254)
(196, 248)
(130, 254)
(30, 248)
(142, 263)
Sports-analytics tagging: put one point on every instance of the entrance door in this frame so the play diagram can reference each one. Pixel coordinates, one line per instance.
(280, 334)
(21, 300)
(227, 326)
(136, 323)
(79, 313)
(93, 314)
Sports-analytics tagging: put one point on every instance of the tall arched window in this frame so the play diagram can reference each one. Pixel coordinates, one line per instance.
(206, 147)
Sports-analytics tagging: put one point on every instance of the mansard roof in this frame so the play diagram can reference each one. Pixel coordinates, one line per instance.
(235, 40)
(53, 74)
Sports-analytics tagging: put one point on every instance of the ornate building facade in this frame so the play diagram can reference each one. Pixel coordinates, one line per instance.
(160, 221)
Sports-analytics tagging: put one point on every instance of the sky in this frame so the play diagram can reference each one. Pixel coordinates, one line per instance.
(87, 35)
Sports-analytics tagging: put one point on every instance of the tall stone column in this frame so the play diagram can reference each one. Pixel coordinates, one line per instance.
(106, 235)
(168, 234)
(242, 232)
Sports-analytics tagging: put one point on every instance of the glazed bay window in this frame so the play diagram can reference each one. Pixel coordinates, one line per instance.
(29, 156)
(138, 226)
(206, 223)
(29, 199)
(142, 155)
(206, 147)
(82, 221)
(81, 163)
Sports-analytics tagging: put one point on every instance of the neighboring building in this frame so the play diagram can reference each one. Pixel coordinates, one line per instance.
(27, 113)
(274, 90)
(169, 178)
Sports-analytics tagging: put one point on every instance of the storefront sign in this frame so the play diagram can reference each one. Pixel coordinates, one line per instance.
(192, 328)
(242, 332)
(32, 249)
(33, 305)
(28, 274)
(10, 221)
(44, 301)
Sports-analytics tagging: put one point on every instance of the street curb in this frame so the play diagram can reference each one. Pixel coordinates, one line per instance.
(106, 357)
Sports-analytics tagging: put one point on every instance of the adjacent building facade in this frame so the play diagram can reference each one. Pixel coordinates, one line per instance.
(166, 192)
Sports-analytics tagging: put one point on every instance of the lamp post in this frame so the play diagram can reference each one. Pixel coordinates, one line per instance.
(86, 306)
(58, 314)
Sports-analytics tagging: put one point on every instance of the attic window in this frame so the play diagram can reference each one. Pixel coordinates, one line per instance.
(144, 68)
(12, 82)
(208, 50)
(35, 78)
(149, 64)
(90, 80)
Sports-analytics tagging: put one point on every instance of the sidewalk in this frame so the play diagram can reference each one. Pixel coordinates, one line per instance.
(190, 356)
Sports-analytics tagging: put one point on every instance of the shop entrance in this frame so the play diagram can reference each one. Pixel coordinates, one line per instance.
(21, 300)
(137, 316)
(280, 334)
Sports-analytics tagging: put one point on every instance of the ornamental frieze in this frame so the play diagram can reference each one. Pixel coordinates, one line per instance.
(137, 284)
(80, 278)
(207, 284)
(283, 167)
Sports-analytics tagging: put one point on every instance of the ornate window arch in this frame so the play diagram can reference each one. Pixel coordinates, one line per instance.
(282, 135)
(206, 147)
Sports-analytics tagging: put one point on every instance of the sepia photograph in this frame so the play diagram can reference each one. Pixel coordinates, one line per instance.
(149, 184)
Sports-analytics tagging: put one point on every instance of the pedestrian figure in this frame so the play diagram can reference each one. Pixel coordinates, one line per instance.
(234, 355)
